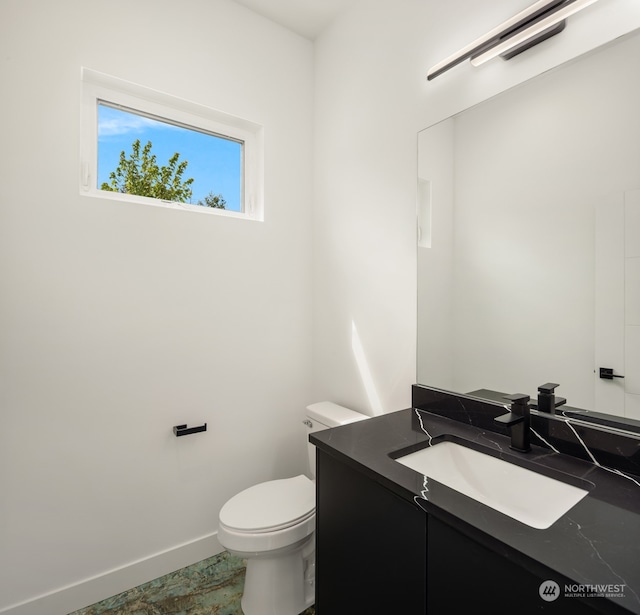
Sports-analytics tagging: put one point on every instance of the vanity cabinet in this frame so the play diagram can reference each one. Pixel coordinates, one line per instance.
(378, 553)
(370, 545)
(465, 576)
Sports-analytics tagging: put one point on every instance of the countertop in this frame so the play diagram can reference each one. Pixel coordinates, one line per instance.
(596, 543)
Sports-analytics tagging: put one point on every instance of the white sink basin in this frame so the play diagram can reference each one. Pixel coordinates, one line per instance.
(529, 497)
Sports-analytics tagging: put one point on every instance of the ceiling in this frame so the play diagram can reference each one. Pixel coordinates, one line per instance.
(305, 17)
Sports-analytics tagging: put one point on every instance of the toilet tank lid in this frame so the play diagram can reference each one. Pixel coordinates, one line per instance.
(332, 415)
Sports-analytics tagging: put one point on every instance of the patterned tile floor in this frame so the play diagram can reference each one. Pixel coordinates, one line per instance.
(211, 587)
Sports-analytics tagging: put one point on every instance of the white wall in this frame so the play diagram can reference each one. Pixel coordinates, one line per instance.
(119, 321)
(367, 93)
(372, 98)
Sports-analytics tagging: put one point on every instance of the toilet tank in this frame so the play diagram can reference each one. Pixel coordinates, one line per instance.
(323, 415)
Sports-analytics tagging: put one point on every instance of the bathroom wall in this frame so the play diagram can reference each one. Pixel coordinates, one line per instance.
(368, 84)
(119, 321)
(372, 98)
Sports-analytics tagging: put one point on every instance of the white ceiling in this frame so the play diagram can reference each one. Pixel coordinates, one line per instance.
(306, 17)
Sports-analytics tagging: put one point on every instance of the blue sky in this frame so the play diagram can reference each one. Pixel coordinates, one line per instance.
(214, 162)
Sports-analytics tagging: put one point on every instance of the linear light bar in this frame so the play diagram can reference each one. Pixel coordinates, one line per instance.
(537, 29)
(537, 12)
(474, 47)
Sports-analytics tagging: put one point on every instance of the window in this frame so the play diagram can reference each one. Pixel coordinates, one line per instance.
(139, 145)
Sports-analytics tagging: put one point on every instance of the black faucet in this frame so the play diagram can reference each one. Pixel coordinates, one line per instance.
(518, 421)
(547, 400)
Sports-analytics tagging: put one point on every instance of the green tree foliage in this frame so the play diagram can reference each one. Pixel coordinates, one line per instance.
(140, 174)
(213, 200)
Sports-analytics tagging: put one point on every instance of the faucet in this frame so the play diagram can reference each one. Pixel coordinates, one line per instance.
(547, 400)
(518, 421)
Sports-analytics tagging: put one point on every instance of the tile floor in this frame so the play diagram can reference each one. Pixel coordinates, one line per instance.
(211, 587)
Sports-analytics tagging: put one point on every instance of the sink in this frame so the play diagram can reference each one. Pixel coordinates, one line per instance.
(531, 498)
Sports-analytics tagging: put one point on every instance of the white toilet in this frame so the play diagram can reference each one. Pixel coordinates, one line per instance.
(272, 526)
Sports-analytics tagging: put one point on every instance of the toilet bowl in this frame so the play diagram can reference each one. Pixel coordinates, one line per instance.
(271, 525)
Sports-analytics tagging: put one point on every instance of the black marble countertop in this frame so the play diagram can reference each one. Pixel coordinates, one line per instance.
(597, 542)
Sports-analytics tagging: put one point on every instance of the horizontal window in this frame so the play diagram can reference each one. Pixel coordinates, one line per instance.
(139, 145)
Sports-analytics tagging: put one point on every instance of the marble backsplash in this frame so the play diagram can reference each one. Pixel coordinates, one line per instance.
(598, 444)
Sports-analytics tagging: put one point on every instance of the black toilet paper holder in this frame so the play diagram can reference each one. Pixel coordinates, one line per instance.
(183, 430)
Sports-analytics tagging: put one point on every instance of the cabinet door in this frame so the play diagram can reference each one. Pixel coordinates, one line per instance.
(371, 546)
(467, 577)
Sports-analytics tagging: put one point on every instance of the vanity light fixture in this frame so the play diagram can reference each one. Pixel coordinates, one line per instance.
(529, 27)
(533, 34)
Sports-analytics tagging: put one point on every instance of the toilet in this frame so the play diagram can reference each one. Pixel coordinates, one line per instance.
(271, 525)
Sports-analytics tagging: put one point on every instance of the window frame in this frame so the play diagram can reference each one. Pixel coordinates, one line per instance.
(101, 88)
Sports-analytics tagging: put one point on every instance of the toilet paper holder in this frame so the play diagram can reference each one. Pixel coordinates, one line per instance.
(183, 430)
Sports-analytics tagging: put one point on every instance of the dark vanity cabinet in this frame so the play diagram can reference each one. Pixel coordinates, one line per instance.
(380, 554)
(465, 576)
(370, 545)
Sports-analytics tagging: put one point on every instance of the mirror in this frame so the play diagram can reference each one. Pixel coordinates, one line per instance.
(529, 238)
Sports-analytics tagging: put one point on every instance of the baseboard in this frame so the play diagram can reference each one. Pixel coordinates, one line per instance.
(89, 591)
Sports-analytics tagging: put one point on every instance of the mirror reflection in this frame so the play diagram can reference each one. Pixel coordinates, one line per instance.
(529, 238)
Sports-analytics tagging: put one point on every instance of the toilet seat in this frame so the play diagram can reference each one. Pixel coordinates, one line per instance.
(270, 506)
(272, 516)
